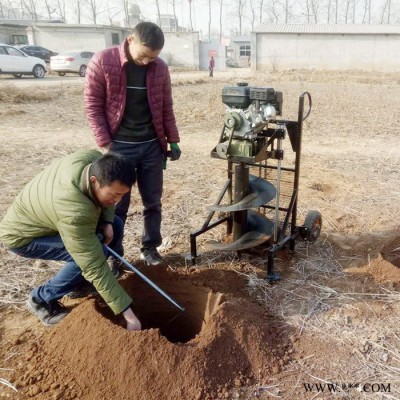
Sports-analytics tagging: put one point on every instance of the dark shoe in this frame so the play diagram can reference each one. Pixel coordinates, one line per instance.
(151, 256)
(49, 313)
(115, 266)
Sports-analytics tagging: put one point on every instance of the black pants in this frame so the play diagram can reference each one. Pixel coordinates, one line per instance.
(147, 160)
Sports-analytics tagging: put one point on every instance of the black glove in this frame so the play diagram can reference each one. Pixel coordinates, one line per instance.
(175, 151)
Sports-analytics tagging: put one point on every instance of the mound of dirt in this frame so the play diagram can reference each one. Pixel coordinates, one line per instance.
(381, 270)
(222, 341)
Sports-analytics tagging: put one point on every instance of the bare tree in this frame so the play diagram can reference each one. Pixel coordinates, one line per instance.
(347, 11)
(261, 10)
(389, 3)
(240, 13)
(94, 9)
(314, 5)
(158, 11)
(252, 14)
(190, 15)
(386, 11)
(30, 6)
(209, 21)
(112, 12)
(308, 11)
(60, 10)
(368, 10)
(11, 12)
(336, 11)
(1, 10)
(125, 5)
(328, 11)
(173, 3)
(286, 11)
(50, 10)
(78, 11)
(220, 20)
(273, 11)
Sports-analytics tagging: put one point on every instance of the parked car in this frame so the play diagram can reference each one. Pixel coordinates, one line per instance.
(37, 51)
(16, 62)
(71, 61)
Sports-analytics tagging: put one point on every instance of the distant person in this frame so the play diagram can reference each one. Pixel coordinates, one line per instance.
(58, 215)
(128, 103)
(211, 66)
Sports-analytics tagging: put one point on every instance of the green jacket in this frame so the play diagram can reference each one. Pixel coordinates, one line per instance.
(59, 200)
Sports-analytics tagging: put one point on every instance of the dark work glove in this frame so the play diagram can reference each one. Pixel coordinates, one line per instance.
(175, 151)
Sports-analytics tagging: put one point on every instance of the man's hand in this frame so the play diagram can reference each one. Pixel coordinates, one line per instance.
(108, 233)
(175, 151)
(132, 322)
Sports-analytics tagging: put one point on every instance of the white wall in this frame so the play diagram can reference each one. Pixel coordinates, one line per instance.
(181, 49)
(300, 51)
(60, 38)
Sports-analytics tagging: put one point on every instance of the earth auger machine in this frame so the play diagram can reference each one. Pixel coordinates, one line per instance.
(262, 189)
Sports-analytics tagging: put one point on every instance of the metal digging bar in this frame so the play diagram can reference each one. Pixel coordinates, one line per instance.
(252, 139)
(144, 277)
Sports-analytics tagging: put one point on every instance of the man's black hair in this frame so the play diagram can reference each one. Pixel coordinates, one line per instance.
(113, 167)
(150, 35)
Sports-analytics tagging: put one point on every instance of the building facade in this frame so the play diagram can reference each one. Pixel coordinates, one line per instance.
(331, 47)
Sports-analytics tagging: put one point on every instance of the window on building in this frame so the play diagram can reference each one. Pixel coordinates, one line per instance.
(245, 51)
(115, 38)
(19, 39)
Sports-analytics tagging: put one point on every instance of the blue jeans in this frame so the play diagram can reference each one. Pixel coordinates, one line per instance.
(70, 275)
(147, 160)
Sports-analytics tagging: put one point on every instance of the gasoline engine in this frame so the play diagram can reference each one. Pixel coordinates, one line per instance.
(262, 191)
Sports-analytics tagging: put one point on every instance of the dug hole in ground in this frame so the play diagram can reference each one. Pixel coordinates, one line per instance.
(332, 319)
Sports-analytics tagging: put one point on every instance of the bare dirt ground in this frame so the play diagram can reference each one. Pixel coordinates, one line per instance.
(328, 329)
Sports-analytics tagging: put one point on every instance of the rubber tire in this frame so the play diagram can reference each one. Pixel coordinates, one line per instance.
(38, 71)
(61, 73)
(313, 224)
(82, 70)
(18, 75)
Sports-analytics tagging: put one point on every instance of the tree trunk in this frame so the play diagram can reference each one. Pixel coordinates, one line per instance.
(336, 11)
(48, 8)
(329, 10)
(61, 10)
(286, 11)
(220, 20)
(173, 2)
(78, 11)
(209, 21)
(190, 15)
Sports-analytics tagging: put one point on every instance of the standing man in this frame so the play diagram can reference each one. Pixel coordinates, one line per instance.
(211, 66)
(128, 102)
(57, 217)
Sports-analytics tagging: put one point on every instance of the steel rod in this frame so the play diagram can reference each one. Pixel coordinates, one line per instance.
(145, 278)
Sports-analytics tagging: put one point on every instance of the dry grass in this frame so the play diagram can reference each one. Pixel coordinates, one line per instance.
(18, 276)
(12, 94)
(316, 299)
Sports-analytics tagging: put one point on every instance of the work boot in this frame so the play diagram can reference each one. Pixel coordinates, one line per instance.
(49, 313)
(151, 256)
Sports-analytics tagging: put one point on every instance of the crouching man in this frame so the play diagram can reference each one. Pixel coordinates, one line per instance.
(58, 215)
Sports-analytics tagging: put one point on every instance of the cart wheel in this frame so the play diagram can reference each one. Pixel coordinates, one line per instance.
(312, 226)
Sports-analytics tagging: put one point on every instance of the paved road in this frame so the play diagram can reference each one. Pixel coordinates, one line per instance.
(75, 80)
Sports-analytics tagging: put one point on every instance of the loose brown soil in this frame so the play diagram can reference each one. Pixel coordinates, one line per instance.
(333, 318)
